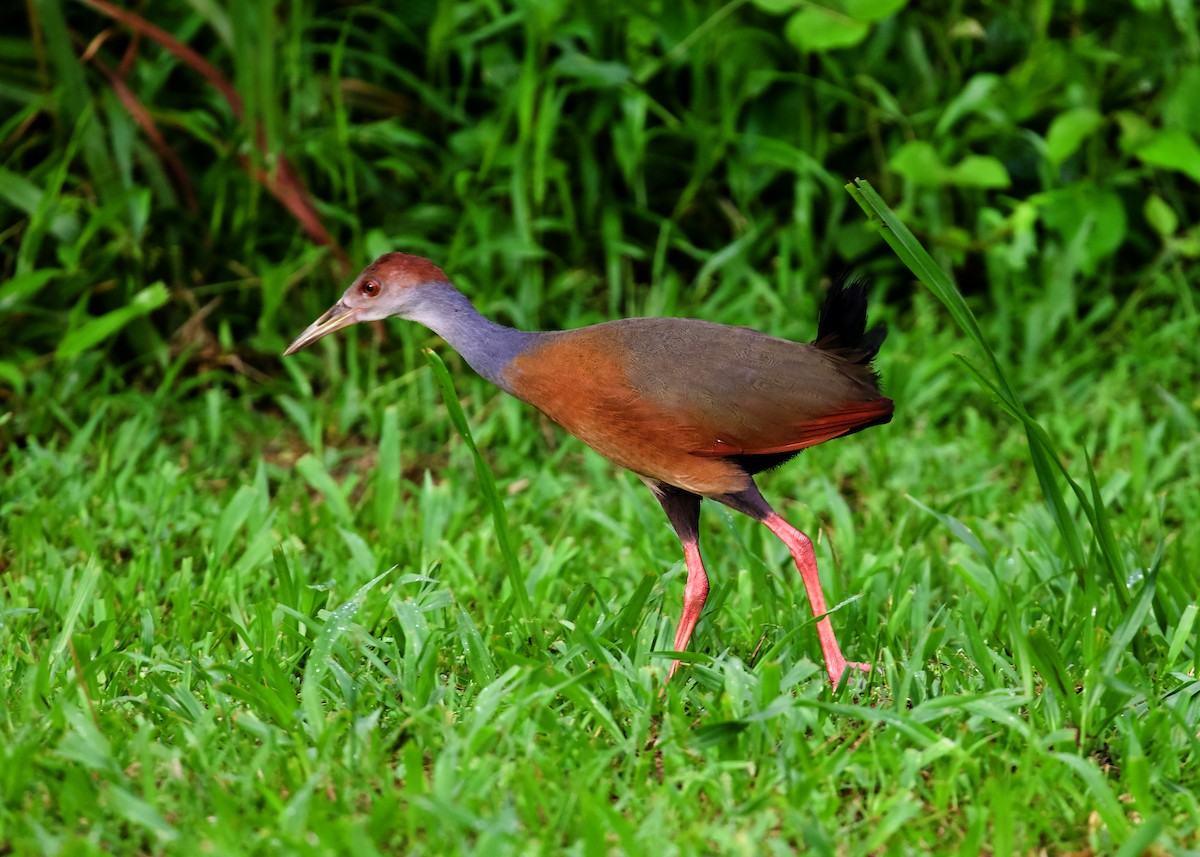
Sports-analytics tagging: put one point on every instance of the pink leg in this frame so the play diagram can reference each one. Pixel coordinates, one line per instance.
(683, 511)
(694, 595)
(806, 561)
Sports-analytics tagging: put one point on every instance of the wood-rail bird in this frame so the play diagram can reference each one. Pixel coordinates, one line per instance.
(694, 408)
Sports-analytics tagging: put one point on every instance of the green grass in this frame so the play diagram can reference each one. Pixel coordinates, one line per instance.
(253, 605)
(216, 639)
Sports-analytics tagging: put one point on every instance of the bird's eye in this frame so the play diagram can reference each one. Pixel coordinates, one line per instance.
(370, 288)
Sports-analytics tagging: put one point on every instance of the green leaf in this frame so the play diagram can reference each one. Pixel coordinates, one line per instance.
(360, 551)
(918, 162)
(1091, 218)
(976, 96)
(94, 331)
(918, 260)
(25, 196)
(1188, 244)
(232, 518)
(778, 7)
(1173, 150)
(1142, 838)
(981, 171)
(1046, 461)
(24, 286)
(318, 477)
(337, 623)
(873, 10)
(387, 475)
(602, 75)
(85, 744)
(1068, 131)
(1136, 131)
(81, 595)
(1160, 216)
(818, 29)
(11, 374)
(141, 814)
(1182, 633)
(960, 530)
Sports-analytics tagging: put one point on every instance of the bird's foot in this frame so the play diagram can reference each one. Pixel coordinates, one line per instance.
(837, 669)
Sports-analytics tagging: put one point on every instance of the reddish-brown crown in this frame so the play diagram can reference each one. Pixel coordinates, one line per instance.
(400, 270)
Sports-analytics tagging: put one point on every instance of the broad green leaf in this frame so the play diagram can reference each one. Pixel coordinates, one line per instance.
(1173, 150)
(818, 29)
(982, 171)
(918, 162)
(1136, 130)
(1068, 131)
(1160, 215)
(91, 333)
(873, 10)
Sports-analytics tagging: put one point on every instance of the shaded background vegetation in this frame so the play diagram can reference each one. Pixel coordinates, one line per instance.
(188, 519)
(584, 155)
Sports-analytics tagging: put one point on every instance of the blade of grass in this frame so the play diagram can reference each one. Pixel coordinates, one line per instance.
(1044, 457)
(487, 482)
(387, 474)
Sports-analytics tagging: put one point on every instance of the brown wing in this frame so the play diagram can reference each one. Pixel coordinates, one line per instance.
(743, 392)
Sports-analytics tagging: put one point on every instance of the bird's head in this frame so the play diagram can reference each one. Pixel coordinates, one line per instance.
(392, 285)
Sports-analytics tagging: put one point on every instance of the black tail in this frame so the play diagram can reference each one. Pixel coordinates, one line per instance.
(842, 323)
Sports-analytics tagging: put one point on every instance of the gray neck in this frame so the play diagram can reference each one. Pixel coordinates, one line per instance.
(487, 347)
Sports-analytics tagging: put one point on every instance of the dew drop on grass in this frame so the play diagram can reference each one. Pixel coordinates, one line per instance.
(1135, 577)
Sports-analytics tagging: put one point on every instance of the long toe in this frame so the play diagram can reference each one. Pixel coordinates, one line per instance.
(837, 668)
(671, 672)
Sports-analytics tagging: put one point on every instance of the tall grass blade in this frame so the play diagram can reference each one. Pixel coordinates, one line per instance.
(487, 483)
(1042, 452)
(387, 474)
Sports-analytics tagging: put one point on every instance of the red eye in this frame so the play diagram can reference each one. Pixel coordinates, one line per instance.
(370, 288)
